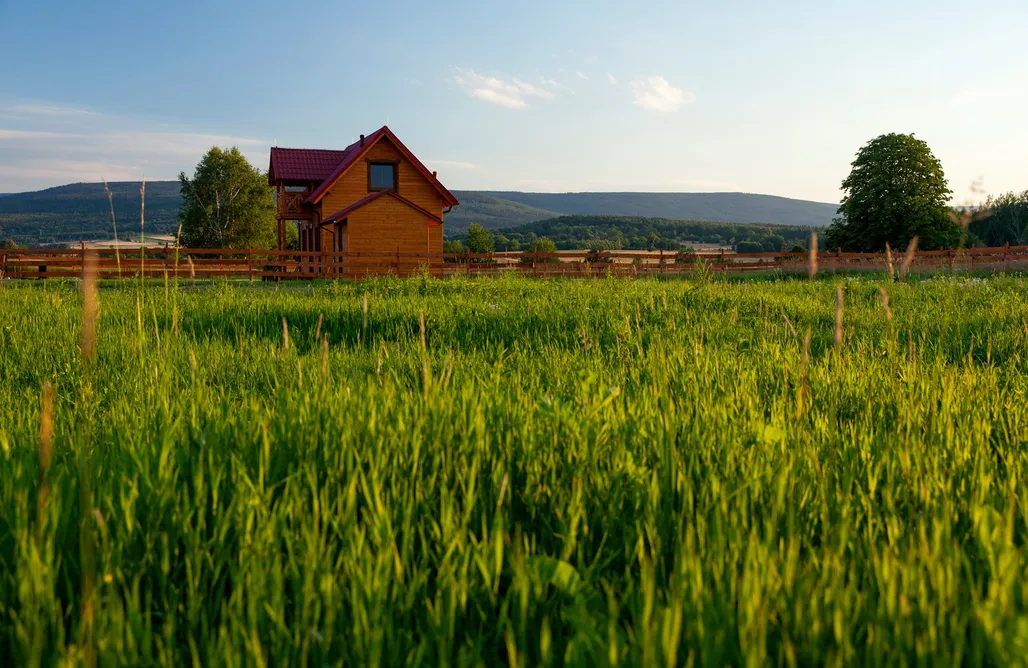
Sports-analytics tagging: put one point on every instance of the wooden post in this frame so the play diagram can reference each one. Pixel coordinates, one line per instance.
(1006, 256)
(249, 261)
(724, 267)
(165, 258)
(467, 260)
(83, 258)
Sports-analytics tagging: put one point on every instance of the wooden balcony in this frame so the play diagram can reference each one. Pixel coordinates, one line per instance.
(290, 204)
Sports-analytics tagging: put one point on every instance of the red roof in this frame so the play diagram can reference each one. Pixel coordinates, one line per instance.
(302, 164)
(357, 149)
(327, 167)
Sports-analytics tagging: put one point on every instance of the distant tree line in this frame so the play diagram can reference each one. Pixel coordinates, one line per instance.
(594, 232)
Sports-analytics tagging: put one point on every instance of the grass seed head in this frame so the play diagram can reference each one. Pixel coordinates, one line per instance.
(812, 257)
(838, 316)
(89, 307)
(908, 259)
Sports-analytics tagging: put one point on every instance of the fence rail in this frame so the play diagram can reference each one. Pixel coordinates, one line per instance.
(282, 265)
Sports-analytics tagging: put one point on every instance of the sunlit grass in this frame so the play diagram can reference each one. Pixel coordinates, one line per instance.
(611, 471)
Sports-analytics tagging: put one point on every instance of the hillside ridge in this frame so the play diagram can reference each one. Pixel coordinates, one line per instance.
(80, 211)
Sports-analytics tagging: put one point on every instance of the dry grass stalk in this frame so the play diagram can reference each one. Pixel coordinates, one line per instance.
(425, 367)
(88, 557)
(888, 261)
(87, 344)
(142, 213)
(364, 320)
(46, 438)
(317, 332)
(114, 222)
(883, 296)
(789, 325)
(324, 356)
(192, 268)
(838, 316)
(812, 257)
(908, 259)
(285, 335)
(804, 364)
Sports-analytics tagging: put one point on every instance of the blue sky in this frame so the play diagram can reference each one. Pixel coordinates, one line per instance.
(737, 95)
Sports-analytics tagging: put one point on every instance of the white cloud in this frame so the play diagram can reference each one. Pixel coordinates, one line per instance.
(581, 76)
(656, 94)
(509, 93)
(415, 82)
(455, 164)
(966, 98)
(610, 78)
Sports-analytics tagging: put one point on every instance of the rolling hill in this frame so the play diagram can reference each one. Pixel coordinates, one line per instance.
(79, 212)
(715, 207)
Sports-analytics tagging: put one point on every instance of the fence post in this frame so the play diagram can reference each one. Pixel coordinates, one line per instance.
(1006, 256)
(467, 261)
(249, 261)
(535, 259)
(83, 267)
(165, 258)
(724, 267)
(661, 261)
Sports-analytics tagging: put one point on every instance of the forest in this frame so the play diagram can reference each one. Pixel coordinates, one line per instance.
(591, 232)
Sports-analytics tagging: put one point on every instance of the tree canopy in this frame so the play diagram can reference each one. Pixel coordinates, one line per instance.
(227, 204)
(480, 240)
(895, 191)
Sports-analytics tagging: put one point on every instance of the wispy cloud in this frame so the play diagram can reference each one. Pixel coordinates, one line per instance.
(415, 82)
(656, 94)
(611, 79)
(510, 93)
(50, 110)
(455, 164)
(581, 75)
(50, 144)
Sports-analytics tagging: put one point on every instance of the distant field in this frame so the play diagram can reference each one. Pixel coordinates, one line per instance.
(634, 472)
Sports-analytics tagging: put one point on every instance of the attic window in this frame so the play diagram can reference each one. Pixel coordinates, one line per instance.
(382, 175)
(296, 189)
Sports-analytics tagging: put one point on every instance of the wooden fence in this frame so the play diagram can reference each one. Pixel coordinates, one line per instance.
(281, 265)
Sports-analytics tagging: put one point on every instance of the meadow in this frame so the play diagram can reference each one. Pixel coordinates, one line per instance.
(513, 471)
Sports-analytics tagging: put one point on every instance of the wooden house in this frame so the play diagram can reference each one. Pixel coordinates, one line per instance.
(371, 198)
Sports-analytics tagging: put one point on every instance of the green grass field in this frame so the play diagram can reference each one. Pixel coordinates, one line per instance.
(580, 473)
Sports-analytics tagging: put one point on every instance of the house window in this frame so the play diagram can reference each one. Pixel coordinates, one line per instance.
(382, 175)
(296, 189)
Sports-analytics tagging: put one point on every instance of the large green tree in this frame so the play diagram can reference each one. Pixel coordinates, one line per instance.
(227, 204)
(896, 191)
